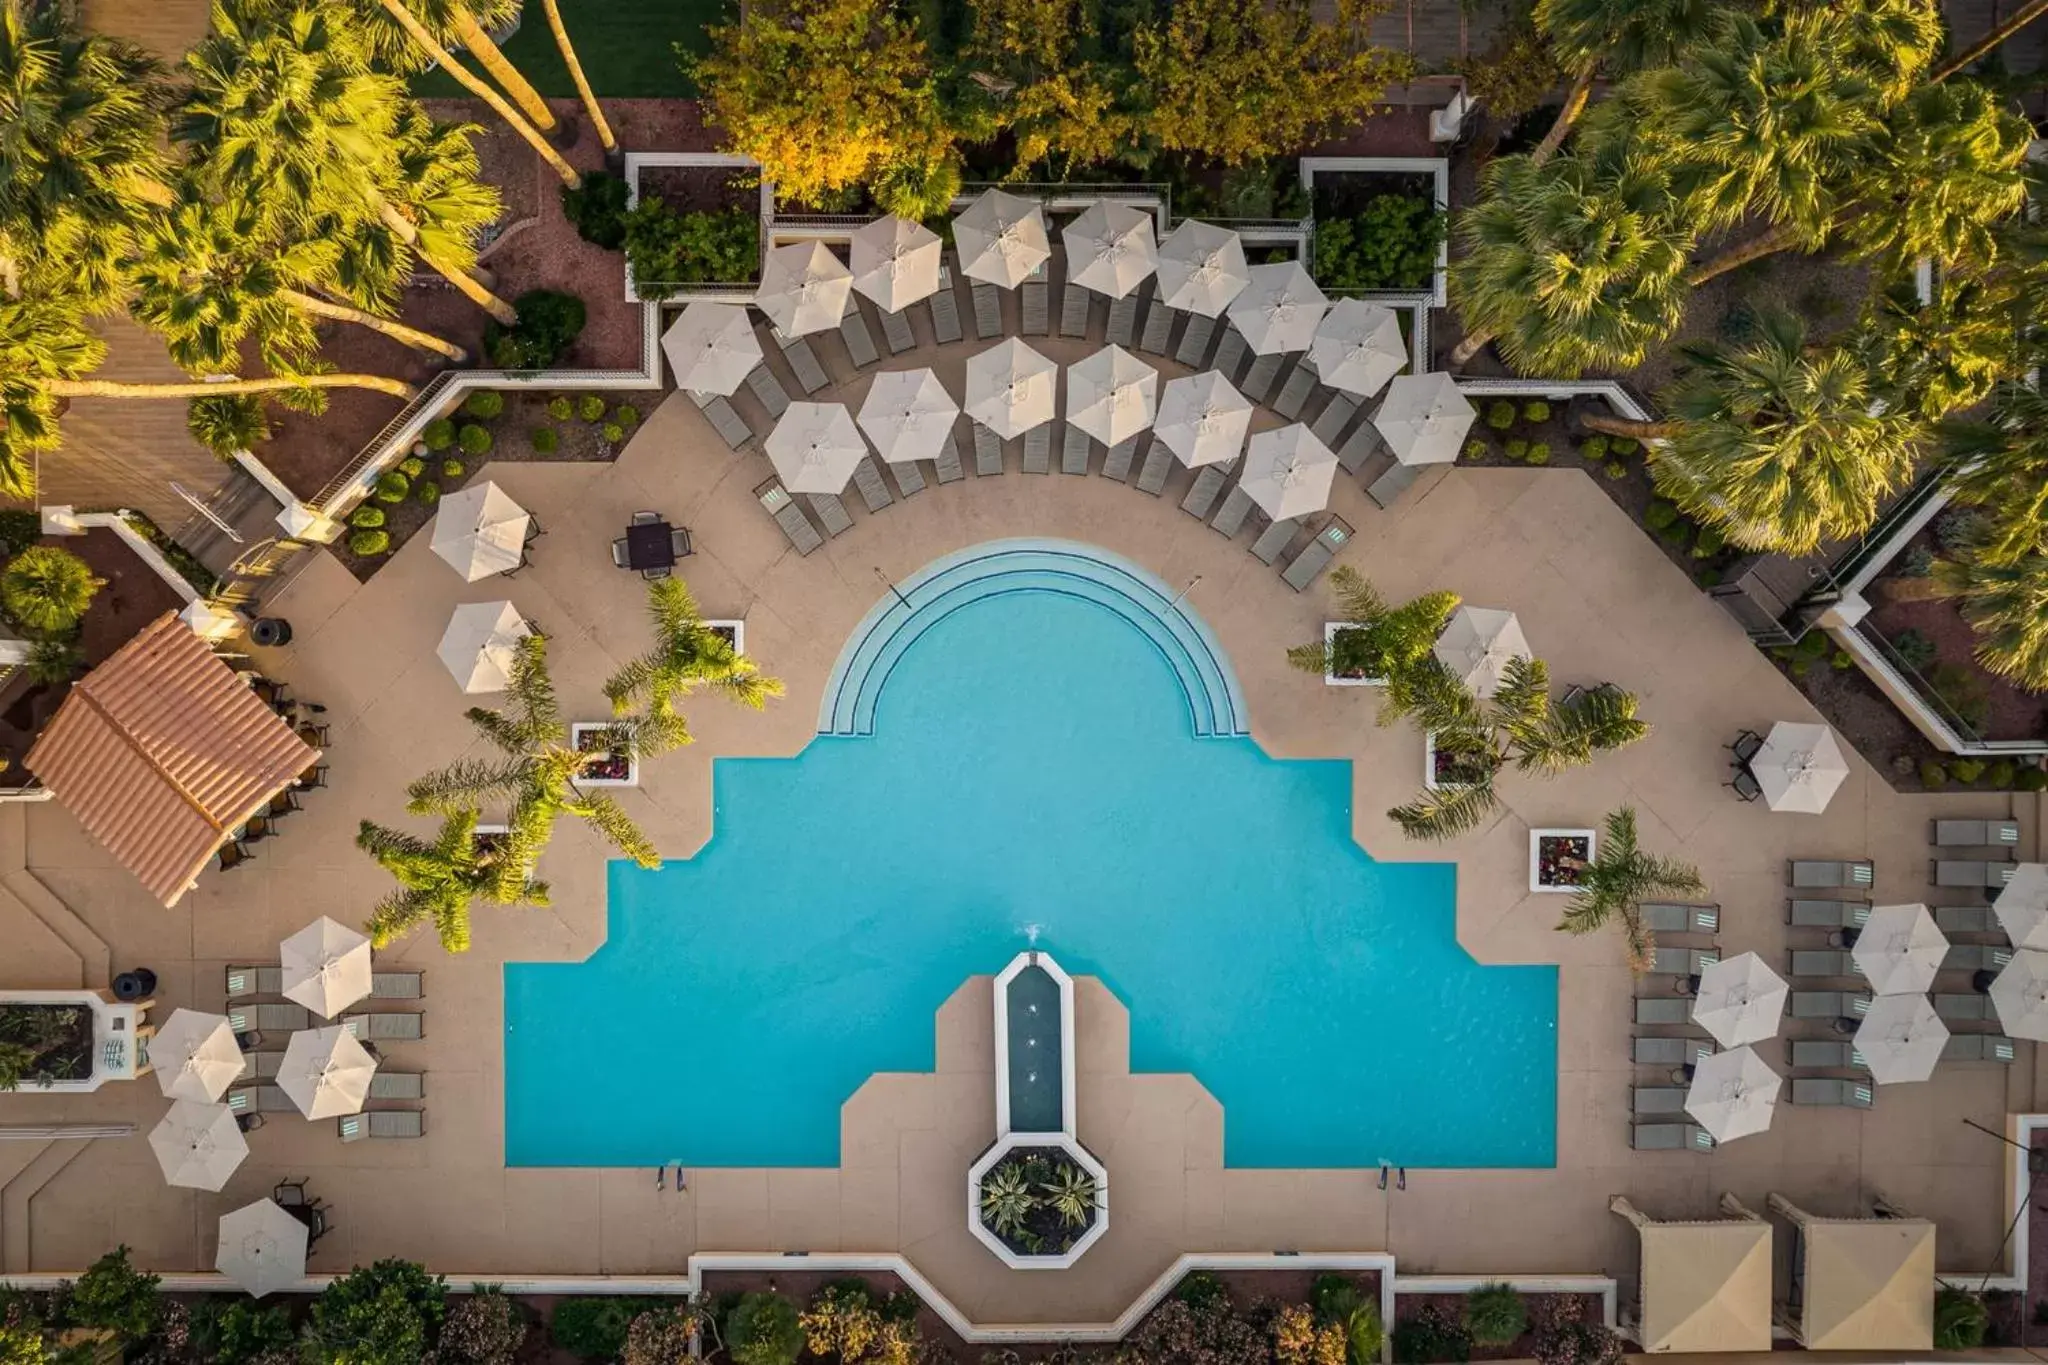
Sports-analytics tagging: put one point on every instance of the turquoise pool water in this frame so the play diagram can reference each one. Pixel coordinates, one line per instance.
(1042, 742)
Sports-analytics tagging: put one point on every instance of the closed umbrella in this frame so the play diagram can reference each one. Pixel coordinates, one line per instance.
(262, 1248)
(1001, 238)
(1201, 268)
(198, 1145)
(2023, 906)
(815, 447)
(481, 643)
(1901, 1039)
(326, 1072)
(1899, 950)
(1110, 248)
(1740, 1000)
(908, 415)
(195, 1055)
(1010, 388)
(896, 262)
(712, 347)
(1358, 347)
(326, 967)
(803, 288)
(1279, 310)
(1288, 472)
(481, 531)
(1423, 419)
(1477, 644)
(1733, 1094)
(2020, 995)
(1112, 395)
(1799, 767)
(1202, 418)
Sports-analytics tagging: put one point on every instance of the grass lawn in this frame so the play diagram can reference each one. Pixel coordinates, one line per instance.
(627, 48)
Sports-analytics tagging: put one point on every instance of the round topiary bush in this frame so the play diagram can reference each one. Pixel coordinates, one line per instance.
(613, 433)
(1495, 1314)
(366, 518)
(1617, 470)
(1967, 769)
(549, 323)
(1593, 448)
(1708, 578)
(2031, 780)
(545, 440)
(1676, 535)
(1500, 414)
(2002, 774)
(474, 440)
(1539, 453)
(412, 466)
(484, 403)
(392, 486)
(1660, 514)
(561, 407)
(438, 435)
(1712, 538)
(453, 469)
(1474, 449)
(1933, 775)
(428, 493)
(590, 407)
(1623, 446)
(626, 415)
(1516, 448)
(369, 543)
(1536, 410)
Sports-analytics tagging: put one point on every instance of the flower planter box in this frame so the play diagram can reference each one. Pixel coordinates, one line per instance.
(1331, 678)
(1549, 850)
(607, 767)
(1439, 771)
(735, 633)
(83, 1038)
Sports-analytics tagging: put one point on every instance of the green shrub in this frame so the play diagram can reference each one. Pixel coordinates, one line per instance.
(1677, 535)
(1933, 775)
(1967, 769)
(487, 403)
(763, 1330)
(594, 1327)
(1430, 1337)
(1516, 448)
(1539, 453)
(626, 415)
(1391, 244)
(666, 248)
(613, 433)
(1500, 414)
(2031, 780)
(428, 493)
(1960, 527)
(1812, 645)
(1623, 446)
(545, 440)
(1708, 578)
(561, 407)
(549, 323)
(1536, 410)
(1201, 1289)
(438, 434)
(369, 544)
(1617, 470)
(2002, 774)
(590, 407)
(474, 440)
(388, 1314)
(412, 466)
(1841, 660)
(19, 529)
(392, 486)
(1960, 1320)
(1710, 542)
(1919, 563)
(1593, 448)
(1660, 514)
(227, 423)
(237, 1332)
(1915, 649)
(48, 590)
(483, 1327)
(1495, 1314)
(598, 210)
(116, 1296)
(1475, 449)
(1963, 690)
(453, 469)
(366, 518)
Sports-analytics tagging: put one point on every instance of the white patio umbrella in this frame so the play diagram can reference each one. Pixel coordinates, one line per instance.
(1740, 1000)
(480, 643)
(1010, 388)
(907, 415)
(2023, 906)
(815, 447)
(480, 531)
(2020, 995)
(803, 288)
(326, 967)
(1358, 347)
(195, 1055)
(1201, 268)
(712, 347)
(1901, 1039)
(1279, 309)
(1001, 238)
(262, 1248)
(326, 1072)
(896, 262)
(1202, 418)
(1110, 248)
(1733, 1094)
(1899, 950)
(1424, 418)
(1799, 767)
(198, 1145)
(1476, 645)
(1112, 395)
(1288, 472)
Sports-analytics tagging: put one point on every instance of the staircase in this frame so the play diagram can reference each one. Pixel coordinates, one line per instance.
(255, 552)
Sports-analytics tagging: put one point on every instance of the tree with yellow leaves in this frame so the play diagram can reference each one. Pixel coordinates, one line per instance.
(1028, 55)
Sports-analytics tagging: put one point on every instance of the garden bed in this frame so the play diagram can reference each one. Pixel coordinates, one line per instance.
(1552, 853)
(58, 1037)
(1040, 1202)
(1376, 229)
(609, 765)
(1450, 1309)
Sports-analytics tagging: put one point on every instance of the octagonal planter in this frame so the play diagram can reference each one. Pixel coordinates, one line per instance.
(1014, 1257)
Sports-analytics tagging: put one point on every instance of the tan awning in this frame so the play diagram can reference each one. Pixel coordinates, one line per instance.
(1869, 1285)
(161, 750)
(1706, 1286)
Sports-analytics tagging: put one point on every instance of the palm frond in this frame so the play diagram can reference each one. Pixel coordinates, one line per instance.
(1312, 658)
(1446, 812)
(460, 785)
(609, 818)
(1355, 595)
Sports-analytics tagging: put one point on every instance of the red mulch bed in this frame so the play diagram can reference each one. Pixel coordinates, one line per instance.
(700, 189)
(1540, 1306)
(1393, 130)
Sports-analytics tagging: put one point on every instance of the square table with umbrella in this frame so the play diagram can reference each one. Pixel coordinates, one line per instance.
(1423, 418)
(712, 347)
(1799, 766)
(1477, 645)
(481, 643)
(908, 415)
(1010, 388)
(480, 531)
(804, 288)
(2020, 995)
(2022, 906)
(1001, 238)
(198, 1145)
(1112, 395)
(1279, 310)
(1110, 248)
(262, 1248)
(1358, 347)
(896, 262)
(1288, 472)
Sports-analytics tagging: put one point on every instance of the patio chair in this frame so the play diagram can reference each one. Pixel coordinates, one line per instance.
(803, 537)
(1824, 872)
(944, 307)
(1828, 1004)
(1670, 1051)
(1982, 875)
(256, 830)
(867, 477)
(1669, 1137)
(1826, 1054)
(1034, 299)
(724, 418)
(803, 362)
(1074, 311)
(1822, 962)
(1274, 540)
(259, 1099)
(988, 310)
(1074, 451)
(1194, 341)
(1979, 1047)
(1237, 505)
(1038, 449)
(259, 1066)
(1815, 914)
(1123, 320)
(768, 390)
(948, 463)
(1662, 1009)
(1975, 833)
(831, 513)
(896, 333)
(1117, 464)
(1360, 446)
(1657, 1099)
(1157, 333)
(313, 780)
(1975, 957)
(1966, 919)
(988, 452)
(1744, 784)
(281, 805)
(1335, 416)
(269, 1018)
(1962, 1008)
(1390, 487)
(1746, 746)
(396, 985)
(646, 518)
(1670, 917)
(1832, 1092)
(1307, 566)
(1294, 394)
(1231, 351)
(389, 1026)
(397, 1085)
(1259, 376)
(1201, 495)
(1682, 961)
(243, 982)
(620, 559)
(679, 544)
(382, 1123)
(1158, 465)
(909, 478)
(853, 330)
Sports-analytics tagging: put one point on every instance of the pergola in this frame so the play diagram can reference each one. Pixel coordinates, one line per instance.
(1702, 1286)
(1860, 1284)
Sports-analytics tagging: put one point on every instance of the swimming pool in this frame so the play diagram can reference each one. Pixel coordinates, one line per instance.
(1044, 742)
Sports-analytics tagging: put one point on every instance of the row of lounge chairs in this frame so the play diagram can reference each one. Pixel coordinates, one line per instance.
(245, 982)
(1961, 957)
(1834, 914)
(398, 1026)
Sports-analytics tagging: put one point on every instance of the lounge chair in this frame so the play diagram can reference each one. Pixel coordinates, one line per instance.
(1157, 333)
(1259, 376)
(1335, 416)
(1194, 341)
(1201, 495)
(1821, 872)
(1670, 917)
(1074, 451)
(1307, 566)
(909, 478)
(724, 419)
(1158, 465)
(948, 463)
(1987, 876)
(1035, 305)
(803, 537)
(1294, 394)
(1390, 487)
(1230, 353)
(896, 333)
(1663, 1009)
(1978, 1047)
(1826, 1054)
(1966, 919)
(382, 1123)
(867, 477)
(1074, 311)
(1117, 464)
(1682, 961)
(1274, 540)
(1831, 1091)
(1123, 320)
(1657, 1099)
(1670, 1051)
(1669, 1137)
(398, 1085)
(1801, 914)
(988, 451)
(945, 309)
(765, 387)
(259, 1066)
(853, 330)
(1822, 962)
(394, 1026)
(1360, 446)
(1237, 505)
(1975, 957)
(243, 982)
(831, 513)
(1038, 449)
(259, 1099)
(266, 1018)
(988, 310)
(1975, 833)
(1829, 1004)
(1964, 1008)
(803, 362)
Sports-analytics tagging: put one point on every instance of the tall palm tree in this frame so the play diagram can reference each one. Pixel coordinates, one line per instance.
(441, 880)
(1942, 355)
(451, 23)
(441, 204)
(687, 656)
(2001, 465)
(2006, 602)
(1619, 879)
(1380, 638)
(1590, 37)
(583, 90)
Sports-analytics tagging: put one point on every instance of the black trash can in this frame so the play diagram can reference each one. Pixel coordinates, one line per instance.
(271, 631)
(139, 984)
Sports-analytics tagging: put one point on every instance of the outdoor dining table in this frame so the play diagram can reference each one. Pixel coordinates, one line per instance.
(650, 546)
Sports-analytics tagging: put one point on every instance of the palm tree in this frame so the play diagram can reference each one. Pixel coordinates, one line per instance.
(2007, 603)
(687, 656)
(441, 880)
(228, 425)
(583, 91)
(449, 23)
(1380, 639)
(1618, 880)
(47, 589)
(1614, 36)
(1948, 353)
(2001, 464)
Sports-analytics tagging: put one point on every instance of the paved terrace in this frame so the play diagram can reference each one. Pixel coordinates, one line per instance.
(1599, 601)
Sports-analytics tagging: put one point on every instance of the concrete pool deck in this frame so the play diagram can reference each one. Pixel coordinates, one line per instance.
(1599, 601)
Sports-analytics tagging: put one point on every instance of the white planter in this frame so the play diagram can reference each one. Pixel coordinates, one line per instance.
(120, 1038)
(1429, 766)
(1330, 629)
(736, 629)
(577, 731)
(1536, 836)
(1081, 1157)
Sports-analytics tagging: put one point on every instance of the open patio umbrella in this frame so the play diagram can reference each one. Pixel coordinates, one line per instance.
(1112, 394)
(907, 415)
(1010, 388)
(803, 288)
(1799, 767)
(326, 1072)
(1001, 238)
(1424, 418)
(1733, 1094)
(1476, 645)
(1202, 418)
(198, 1145)
(2023, 906)
(480, 531)
(2020, 995)
(1110, 248)
(326, 967)
(1358, 347)
(480, 644)
(815, 447)
(1740, 1000)
(1279, 310)
(1288, 472)
(1899, 950)
(1201, 268)
(712, 347)
(896, 262)
(1901, 1039)
(195, 1055)
(262, 1248)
